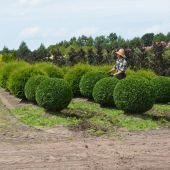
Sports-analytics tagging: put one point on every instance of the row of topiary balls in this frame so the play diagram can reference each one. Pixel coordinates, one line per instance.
(135, 94)
(41, 83)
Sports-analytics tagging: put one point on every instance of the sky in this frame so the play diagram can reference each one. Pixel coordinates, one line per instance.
(51, 21)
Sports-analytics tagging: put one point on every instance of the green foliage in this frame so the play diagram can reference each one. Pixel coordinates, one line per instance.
(130, 72)
(147, 39)
(54, 94)
(162, 88)
(31, 86)
(41, 53)
(104, 68)
(23, 52)
(8, 69)
(134, 95)
(159, 37)
(65, 69)
(103, 91)
(74, 76)
(88, 82)
(148, 74)
(18, 79)
(7, 55)
(51, 70)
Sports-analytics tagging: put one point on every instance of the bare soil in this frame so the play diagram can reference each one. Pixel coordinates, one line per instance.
(58, 148)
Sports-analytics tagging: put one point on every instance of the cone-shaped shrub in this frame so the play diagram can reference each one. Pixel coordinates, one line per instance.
(52, 71)
(134, 95)
(31, 86)
(88, 82)
(54, 94)
(162, 89)
(74, 76)
(19, 78)
(103, 91)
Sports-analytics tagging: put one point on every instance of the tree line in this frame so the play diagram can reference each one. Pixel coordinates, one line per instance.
(149, 51)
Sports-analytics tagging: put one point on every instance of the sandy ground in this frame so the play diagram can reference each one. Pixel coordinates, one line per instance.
(58, 148)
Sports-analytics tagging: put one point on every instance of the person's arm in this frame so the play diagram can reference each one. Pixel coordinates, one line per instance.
(112, 70)
(118, 72)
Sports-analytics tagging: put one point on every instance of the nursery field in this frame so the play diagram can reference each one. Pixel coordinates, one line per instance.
(81, 117)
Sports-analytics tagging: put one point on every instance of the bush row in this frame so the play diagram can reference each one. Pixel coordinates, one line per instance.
(135, 94)
(41, 83)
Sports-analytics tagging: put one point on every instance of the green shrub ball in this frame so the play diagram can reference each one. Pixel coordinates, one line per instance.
(74, 76)
(54, 94)
(19, 78)
(88, 82)
(134, 95)
(162, 89)
(31, 86)
(103, 91)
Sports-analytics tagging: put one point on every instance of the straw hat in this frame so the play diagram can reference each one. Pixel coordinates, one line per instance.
(121, 52)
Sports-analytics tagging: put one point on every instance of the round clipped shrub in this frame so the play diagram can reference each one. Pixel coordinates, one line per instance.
(8, 69)
(88, 82)
(18, 79)
(31, 86)
(74, 76)
(162, 89)
(103, 91)
(51, 70)
(54, 94)
(134, 95)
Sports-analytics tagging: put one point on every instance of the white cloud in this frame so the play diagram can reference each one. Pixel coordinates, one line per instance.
(54, 32)
(88, 31)
(30, 32)
(30, 2)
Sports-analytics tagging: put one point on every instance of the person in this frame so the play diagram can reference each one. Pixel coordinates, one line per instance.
(120, 66)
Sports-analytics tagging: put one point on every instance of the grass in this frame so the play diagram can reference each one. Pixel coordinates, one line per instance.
(92, 118)
(119, 119)
(36, 116)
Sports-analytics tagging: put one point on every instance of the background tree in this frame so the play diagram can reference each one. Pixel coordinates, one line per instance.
(168, 37)
(147, 39)
(23, 52)
(41, 53)
(159, 37)
(58, 58)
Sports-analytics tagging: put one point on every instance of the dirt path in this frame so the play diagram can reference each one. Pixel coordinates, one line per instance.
(24, 147)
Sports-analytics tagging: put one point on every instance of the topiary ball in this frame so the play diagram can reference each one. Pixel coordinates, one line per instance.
(31, 86)
(52, 71)
(103, 91)
(74, 76)
(19, 78)
(88, 82)
(134, 95)
(54, 94)
(162, 89)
